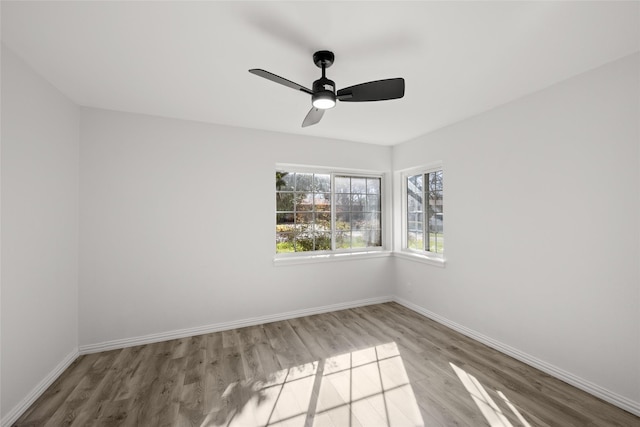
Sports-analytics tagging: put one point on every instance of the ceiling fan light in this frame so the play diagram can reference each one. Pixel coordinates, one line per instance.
(324, 100)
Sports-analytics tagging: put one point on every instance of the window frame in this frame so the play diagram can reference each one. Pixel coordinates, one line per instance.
(423, 255)
(339, 253)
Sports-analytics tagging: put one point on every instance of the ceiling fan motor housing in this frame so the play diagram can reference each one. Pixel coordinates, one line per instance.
(324, 93)
(323, 84)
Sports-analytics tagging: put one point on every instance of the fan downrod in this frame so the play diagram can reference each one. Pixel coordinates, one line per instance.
(323, 58)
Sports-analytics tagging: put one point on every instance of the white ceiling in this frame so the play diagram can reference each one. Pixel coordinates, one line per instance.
(189, 60)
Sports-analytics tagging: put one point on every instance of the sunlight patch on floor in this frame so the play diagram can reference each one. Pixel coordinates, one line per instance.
(514, 409)
(490, 410)
(368, 387)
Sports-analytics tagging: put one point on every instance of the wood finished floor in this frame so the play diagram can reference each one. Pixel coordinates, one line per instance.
(381, 365)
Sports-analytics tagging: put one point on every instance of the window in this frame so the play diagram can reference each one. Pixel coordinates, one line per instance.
(327, 211)
(424, 210)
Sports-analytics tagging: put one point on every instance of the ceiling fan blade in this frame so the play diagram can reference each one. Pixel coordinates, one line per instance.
(313, 116)
(270, 76)
(379, 90)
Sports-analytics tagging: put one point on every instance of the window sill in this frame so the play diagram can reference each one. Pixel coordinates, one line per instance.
(348, 256)
(425, 259)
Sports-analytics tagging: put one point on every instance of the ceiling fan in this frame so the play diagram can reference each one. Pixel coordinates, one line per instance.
(324, 95)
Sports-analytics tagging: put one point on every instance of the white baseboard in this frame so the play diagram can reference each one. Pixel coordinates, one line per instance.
(591, 388)
(225, 326)
(15, 413)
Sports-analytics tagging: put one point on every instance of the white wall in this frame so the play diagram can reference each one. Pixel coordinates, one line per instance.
(177, 226)
(40, 154)
(541, 226)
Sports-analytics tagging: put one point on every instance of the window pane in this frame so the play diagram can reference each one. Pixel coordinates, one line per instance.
(284, 181)
(373, 185)
(435, 181)
(323, 242)
(436, 195)
(375, 238)
(322, 182)
(373, 203)
(414, 203)
(373, 221)
(303, 202)
(343, 221)
(414, 194)
(435, 224)
(304, 181)
(284, 201)
(414, 184)
(285, 218)
(358, 224)
(343, 239)
(415, 217)
(436, 242)
(343, 202)
(357, 217)
(322, 201)
(357, 202)
(414, 241)
(343, 185)
(415, 227)
(304, 217)
(359, 185)
(323, 221)
(284, 242)
(358, 239)
(304, 243)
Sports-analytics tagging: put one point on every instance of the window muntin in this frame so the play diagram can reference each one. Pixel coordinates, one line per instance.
(425, 215)
(312, 217)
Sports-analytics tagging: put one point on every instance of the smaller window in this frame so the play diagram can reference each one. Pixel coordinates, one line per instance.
(424, 211)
